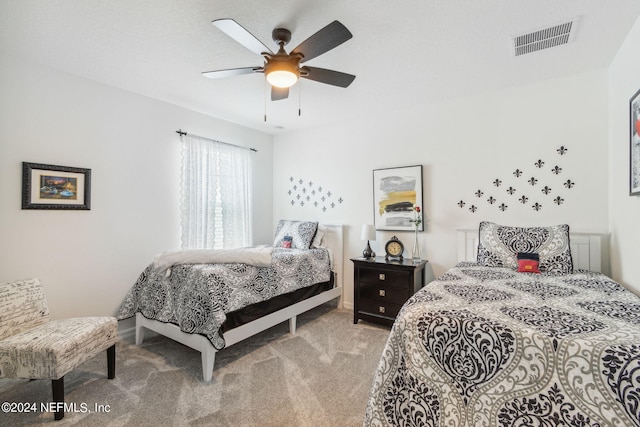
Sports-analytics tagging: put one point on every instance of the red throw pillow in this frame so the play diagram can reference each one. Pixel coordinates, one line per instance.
(528, 266)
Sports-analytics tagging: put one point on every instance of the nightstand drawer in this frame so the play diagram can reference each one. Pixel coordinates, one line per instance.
(384, 293)
(381, 276)
(386, 309)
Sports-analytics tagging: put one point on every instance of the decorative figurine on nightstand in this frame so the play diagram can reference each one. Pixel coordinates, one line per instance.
(394, 249)
(368, 233)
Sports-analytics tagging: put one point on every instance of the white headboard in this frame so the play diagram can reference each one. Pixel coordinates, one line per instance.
(334, 241)
(588, 251)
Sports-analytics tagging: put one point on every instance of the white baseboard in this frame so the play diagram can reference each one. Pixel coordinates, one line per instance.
(128, 334)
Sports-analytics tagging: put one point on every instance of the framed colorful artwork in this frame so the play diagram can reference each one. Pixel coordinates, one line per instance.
(397, 192)
(55, 187)
(634, 144)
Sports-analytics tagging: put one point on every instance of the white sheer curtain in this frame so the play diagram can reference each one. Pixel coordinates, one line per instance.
(216, 194)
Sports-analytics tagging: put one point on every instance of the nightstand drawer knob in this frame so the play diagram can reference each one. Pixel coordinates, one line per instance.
(381, 309)
(382, 293)
(381, 276)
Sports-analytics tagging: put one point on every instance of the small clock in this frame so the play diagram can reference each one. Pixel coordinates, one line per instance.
(394, 248)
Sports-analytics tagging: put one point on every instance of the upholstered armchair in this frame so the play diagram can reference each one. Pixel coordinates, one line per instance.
(33, 346)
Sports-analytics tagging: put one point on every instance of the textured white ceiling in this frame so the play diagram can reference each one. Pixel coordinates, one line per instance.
(403, 53)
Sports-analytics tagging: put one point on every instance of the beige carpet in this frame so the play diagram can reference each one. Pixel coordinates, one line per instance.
(320, 376)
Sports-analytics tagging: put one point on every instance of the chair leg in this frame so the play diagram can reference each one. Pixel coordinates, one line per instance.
(111, 362)
(58, 397)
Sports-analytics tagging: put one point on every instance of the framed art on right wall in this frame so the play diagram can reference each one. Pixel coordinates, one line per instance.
(396, 194)
(634, 144)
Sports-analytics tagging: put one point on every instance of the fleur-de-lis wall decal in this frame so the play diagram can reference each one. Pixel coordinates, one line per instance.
(543, 177)
(303, 193)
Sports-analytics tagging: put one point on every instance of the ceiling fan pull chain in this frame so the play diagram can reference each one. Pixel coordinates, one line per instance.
(265, 99)
(299, 98)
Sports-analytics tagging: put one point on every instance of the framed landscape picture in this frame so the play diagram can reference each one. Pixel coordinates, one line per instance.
(396, 192)
(634, 144)
(55, 187)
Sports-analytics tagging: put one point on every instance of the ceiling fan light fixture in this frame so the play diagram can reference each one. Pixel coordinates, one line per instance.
(282, 74)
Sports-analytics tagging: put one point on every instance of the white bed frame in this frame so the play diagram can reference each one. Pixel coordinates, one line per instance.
(588, 251)
(333, 240)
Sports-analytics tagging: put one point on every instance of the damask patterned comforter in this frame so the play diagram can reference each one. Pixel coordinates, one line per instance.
(196, 296)
(487, 346)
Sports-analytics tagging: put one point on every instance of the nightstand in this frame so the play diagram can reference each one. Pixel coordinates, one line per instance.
(380, 287)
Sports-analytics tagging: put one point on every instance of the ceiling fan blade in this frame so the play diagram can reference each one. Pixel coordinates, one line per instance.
(278, 93)
(330, 77)
(323, 41)
(220, 74)
(241, 35)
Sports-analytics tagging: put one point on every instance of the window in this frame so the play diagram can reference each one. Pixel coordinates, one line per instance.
(216, 194)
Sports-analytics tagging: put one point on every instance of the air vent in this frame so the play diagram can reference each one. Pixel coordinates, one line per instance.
(544, 38)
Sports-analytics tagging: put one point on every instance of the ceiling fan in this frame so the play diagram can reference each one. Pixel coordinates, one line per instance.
(283, 69)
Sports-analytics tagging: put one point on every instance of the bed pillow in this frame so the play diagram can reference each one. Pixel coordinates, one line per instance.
(301, 233)
(499, 244)
(318, 239)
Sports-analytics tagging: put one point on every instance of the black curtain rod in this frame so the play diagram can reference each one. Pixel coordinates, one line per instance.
(182, 133)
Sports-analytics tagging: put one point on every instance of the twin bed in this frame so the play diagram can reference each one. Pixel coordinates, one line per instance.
(209, 300)
(487, 345)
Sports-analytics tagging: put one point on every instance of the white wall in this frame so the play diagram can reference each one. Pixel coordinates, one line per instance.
(624, 81)
(463, 145)
(87, 260)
